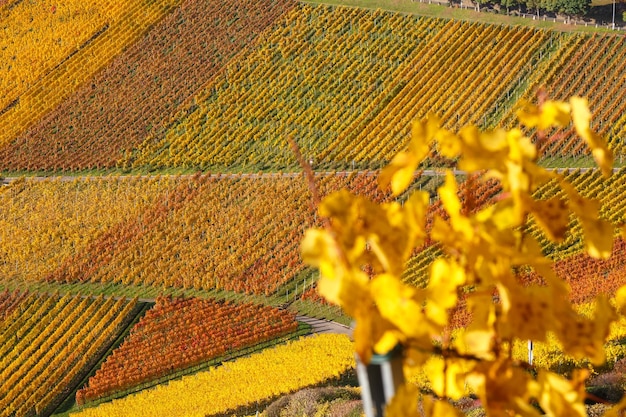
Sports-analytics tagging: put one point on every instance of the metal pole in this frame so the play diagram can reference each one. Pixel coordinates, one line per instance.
(379, 381)
(613, 15)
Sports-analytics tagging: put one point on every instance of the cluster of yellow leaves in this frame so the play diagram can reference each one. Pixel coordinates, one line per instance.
(241, 383)
(483, 252)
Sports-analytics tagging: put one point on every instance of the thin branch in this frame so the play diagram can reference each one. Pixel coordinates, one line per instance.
(308, 174)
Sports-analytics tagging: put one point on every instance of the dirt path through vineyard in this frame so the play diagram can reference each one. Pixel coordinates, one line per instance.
(325, 326)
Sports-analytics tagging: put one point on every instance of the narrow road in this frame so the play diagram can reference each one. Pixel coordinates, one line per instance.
(325, 326)
(426, 172)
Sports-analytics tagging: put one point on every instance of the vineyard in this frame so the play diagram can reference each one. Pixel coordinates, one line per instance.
(344, 83)
(48, 343)
(260, 377)
(176, 334)
(152, 205)
(149, 80)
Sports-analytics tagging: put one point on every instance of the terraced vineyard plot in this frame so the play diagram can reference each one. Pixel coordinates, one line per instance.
(210, 232)
(117, 25)
(47, 345)
(180, 333)
(241, 384)
(591, 67)
(344, 83)
(462, 74)
(233, 232)
(220, 86)
(43, 223)
(318, 70)
(143, 87)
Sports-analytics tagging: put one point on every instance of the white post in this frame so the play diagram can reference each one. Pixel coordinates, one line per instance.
(613, 15)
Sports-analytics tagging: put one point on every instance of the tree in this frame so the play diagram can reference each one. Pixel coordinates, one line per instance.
(485, 251)
(574, 7)
(533, 4)
(508, 4)
(550, 5)
(481, 2)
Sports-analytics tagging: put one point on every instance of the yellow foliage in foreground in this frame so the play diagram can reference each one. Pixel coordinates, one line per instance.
(362, 250)
(548, 354)
(241, 383)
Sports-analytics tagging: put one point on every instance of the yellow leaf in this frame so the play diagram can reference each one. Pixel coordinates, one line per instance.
(445, 278)
(447, 376)
(552, 216)
(526, 311)
(344, 288)
(478, 339)
(550, 113)
(503, 388)
(434, 407)
(599, 149)
(399, 173)
(559, 397)
(372, 332)
(319, 249)
(493, 141)
(554, 113)
(448, 196)
(598, 232)
(528, 113)
(598, 237)
(584, 337)
(482, 150)
(400, 304)
(580, 114)
(478, 343)
(416, 208)
(521, 147)
(448, 144)
(363, 336)
(387, 341)
(500, 215)
(337, 204)
(404, 402)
